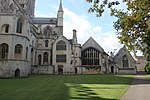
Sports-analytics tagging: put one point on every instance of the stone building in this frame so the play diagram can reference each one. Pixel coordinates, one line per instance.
(94, 58)
(36, 45)
(140, 63)
(123, 63)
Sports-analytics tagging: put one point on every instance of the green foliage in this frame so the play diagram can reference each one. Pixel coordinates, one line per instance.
(148, 76)
(65, 87)
(133, 24)
(147, 67)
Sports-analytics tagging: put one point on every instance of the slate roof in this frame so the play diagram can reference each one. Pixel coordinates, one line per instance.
(92, 43)
(121, 53)
(40, 20)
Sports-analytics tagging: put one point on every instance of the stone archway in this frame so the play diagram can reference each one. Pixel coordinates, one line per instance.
(112, 69)
(60, 69)
(17, 73)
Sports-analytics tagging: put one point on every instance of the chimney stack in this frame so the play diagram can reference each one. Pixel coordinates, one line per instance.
(74, 36)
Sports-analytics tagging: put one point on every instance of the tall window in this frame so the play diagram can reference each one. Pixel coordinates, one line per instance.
(125, 61)
(39, 59)
(32, 55)
(47, 32)
(18, 51)
(19, 26)
(61, 45)
(90, 56)
(6, 28)
(26, 53)
(4, 51)
(46, 43)
(45, 59)
(60, 58)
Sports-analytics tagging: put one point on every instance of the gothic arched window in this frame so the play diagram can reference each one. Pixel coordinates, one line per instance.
(125, 61)
(47, 32)
(6, 28)
(18, 51)
(4, 51)
(61, 45)
(19, 26)
(26, 52)
(46, 43)
(39, 59)
(45, 58)
(90, 56)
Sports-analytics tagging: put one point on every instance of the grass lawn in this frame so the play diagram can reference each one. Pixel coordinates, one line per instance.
(65, 87)
(148, 76)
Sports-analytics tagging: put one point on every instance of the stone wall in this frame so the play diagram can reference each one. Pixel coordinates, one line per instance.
(127, 71)
(8, 68)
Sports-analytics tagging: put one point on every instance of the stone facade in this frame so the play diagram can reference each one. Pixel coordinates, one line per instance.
(123, 63)
(36, 45)
(140, 63)
(94, 58)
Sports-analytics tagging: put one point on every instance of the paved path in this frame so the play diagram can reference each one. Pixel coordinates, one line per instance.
(139, 90)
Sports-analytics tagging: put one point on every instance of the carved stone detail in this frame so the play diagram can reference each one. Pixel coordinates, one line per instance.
(6, 6)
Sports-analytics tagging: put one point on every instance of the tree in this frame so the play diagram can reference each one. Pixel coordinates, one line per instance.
(133, 24)
(147, 67)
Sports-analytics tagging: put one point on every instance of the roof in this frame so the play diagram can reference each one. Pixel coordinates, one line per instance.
(123, 51)
(40, 20)
(92, 43)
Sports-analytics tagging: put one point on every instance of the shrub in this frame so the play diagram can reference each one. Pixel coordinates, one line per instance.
(147, 67)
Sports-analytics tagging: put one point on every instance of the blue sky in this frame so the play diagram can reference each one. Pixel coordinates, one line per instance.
(76, 16)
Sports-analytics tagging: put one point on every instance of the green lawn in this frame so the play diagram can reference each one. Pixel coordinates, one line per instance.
(65, 87)
(148, 76)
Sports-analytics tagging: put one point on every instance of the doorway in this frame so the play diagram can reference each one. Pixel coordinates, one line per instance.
(17, 73)
(112, 69)
(60, 69)
(76, 70)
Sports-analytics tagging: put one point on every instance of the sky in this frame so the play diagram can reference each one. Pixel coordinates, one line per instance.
(86, 24)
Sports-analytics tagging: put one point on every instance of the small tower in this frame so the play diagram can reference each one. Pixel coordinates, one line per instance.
(60, 19)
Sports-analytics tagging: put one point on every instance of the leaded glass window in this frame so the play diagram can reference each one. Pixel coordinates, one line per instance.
(60, 58)
(61, 45)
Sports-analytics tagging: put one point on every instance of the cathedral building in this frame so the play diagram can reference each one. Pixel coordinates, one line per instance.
(37, 45)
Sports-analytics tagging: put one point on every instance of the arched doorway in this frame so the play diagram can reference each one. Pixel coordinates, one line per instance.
(76, 70)
(112, 69)
(17, 73)
(60, 69)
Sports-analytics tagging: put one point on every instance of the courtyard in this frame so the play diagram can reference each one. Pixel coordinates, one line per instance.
(65, 87)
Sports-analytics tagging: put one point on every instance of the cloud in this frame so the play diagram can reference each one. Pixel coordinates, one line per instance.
(85, 30)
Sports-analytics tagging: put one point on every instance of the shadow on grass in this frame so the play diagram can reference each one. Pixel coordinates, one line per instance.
(85, 93)
(96, 82)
